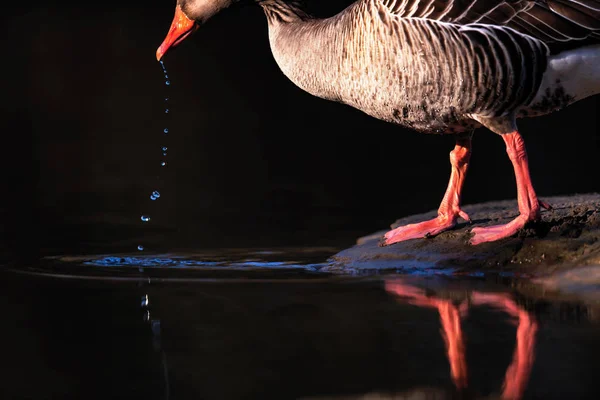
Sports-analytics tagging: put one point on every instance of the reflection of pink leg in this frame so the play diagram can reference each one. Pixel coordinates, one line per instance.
(529, 206)
(449, 210)
(519, 370)
(451, 329)
(455, 346)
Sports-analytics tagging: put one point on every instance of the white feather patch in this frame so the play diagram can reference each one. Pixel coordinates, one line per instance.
(576, 71)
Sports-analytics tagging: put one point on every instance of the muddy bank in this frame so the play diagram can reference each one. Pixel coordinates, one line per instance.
(565, 240)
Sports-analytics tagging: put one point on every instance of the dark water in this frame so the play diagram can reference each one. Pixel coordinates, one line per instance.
(240, 324)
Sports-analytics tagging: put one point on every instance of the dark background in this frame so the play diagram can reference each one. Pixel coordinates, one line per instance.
(253, 160)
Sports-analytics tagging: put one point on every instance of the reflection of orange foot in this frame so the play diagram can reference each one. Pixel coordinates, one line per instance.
(519, 370)
(451, 329)
(455, 345)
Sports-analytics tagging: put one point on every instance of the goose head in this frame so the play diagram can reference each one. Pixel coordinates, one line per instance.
(189, 15)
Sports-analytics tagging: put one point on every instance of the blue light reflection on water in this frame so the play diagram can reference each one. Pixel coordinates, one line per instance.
(235, 263)
(172, 262)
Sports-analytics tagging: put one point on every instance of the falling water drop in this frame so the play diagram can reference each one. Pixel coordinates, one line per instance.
(145, 218)
(166, 130)
(166, 111)
(141, 248)
(164, 148)
(145, 301)
(163, 164)
(155, 195)
(167, 83)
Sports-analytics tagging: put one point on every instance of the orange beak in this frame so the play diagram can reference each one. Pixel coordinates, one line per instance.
(181, 27)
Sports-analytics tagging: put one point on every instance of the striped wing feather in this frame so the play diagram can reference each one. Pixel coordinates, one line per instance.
(555, 22)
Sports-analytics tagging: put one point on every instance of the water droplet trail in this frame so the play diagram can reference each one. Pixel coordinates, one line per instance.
(155, 195)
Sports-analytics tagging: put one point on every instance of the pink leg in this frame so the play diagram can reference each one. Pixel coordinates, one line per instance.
(449, 210)
(529, 205)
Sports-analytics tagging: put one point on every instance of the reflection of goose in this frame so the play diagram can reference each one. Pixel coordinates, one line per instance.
(451, 329)
(519, 370)
(443, 66)
(517, 373)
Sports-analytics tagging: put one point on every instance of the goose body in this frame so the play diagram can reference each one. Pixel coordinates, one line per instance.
(405, 89)
(437, 66)
(426, 74)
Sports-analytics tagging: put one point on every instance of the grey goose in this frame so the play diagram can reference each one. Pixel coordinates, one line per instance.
(436, 66)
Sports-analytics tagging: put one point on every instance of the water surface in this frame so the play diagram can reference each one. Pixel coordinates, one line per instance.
(266, 324)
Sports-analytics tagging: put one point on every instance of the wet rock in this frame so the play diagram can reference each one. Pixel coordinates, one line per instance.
(566, 237)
